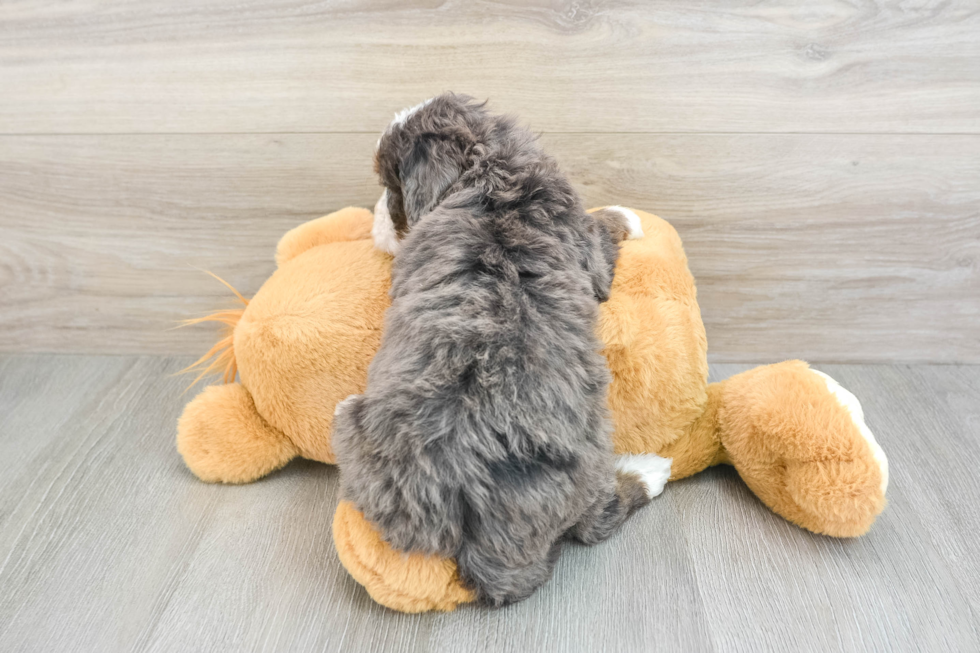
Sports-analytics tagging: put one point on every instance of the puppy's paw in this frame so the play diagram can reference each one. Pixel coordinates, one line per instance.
(651, 468)
(634, 228)
(344, 405)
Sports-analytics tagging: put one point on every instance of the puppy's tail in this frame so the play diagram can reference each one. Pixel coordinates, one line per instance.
(498, 579)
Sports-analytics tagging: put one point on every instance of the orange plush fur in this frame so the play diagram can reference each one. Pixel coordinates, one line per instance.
(304, 342)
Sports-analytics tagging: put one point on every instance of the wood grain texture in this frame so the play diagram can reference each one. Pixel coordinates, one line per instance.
(627, 66)
(108, 543)
(824, 247)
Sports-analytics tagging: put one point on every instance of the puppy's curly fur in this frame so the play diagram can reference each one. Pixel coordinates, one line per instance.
(483, 434)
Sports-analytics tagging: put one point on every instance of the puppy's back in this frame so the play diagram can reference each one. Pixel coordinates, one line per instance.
(483, 434)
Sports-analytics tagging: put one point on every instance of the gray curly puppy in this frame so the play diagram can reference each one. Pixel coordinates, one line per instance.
(483, 434)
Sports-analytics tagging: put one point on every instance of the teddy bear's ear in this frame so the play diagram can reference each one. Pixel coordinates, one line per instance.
(351, 223)
(223, 439)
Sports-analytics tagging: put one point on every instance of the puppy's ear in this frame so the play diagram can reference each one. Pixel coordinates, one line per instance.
(434, 164)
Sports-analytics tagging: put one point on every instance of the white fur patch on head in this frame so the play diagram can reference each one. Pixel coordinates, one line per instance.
(847, 399)
(402, 116)
(383, 230)
(651, 468)
(632, 221)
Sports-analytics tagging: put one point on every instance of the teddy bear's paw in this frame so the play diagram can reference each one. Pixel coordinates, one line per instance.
(849, 402)
(840, 498)
(223, 439)
(799, 441)
(653, 470)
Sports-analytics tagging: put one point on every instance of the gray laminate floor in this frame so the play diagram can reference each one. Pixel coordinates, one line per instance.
(108, 543)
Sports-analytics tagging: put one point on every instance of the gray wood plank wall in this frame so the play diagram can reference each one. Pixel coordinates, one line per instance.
(821, 160)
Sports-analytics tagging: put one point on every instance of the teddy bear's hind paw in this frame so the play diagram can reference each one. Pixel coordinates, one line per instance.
(847, 399)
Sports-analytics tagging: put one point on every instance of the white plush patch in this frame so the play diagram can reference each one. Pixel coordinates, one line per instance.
(847, 399)
(651, 468)
(342, 405)
(632, 220)
(405, 114)
(383, 230)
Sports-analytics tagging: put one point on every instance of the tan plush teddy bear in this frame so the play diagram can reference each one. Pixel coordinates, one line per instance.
(304, 342)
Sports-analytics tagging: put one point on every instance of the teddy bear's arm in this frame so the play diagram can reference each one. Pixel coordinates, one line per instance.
(404, 582)
(352, 223)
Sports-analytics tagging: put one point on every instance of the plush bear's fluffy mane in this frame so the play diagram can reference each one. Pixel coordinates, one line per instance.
(221, 357)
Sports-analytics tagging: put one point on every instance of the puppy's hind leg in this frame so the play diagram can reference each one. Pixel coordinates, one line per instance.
(498, 580)
(345, 404)
(639, 478)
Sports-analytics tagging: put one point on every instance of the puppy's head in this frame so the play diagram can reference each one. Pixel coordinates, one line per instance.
(420, 156)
